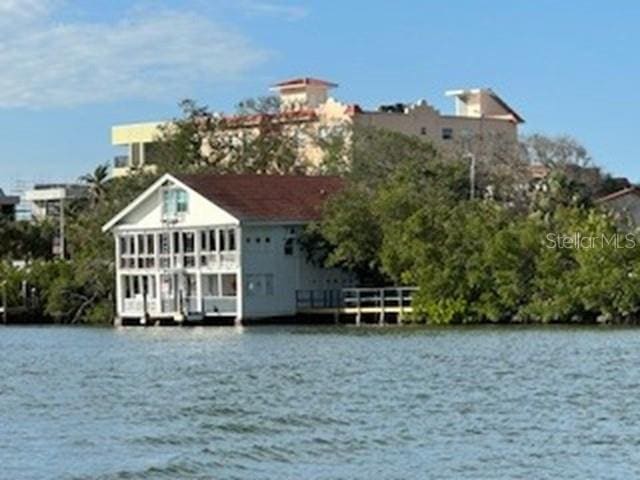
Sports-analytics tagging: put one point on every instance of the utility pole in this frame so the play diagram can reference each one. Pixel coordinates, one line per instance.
(62, 242)
(472, 174)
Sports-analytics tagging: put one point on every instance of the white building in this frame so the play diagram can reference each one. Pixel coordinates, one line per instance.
(48, 200)
(202, 246)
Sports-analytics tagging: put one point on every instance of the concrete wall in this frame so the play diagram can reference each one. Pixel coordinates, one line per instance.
(424, 121)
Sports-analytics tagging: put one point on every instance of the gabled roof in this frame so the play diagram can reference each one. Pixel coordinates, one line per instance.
(266, 197)
(261, 198)
(620, 193)
(304, 81)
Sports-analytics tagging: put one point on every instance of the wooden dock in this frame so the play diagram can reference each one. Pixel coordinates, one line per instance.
(378, 305)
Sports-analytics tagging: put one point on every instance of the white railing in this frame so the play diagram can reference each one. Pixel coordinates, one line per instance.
(222, 305)
(135, 306)
(170, 305)
(219, 260)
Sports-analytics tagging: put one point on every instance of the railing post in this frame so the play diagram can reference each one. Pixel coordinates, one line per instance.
(401, 312)
(5, 306)
(358, 308)
(381, 293)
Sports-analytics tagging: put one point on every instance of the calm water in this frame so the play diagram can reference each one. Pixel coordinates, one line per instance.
(319, 403)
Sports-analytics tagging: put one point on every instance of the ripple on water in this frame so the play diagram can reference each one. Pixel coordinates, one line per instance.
(327, 403)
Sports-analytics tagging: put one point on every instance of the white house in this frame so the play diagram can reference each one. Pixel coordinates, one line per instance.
(203, 246)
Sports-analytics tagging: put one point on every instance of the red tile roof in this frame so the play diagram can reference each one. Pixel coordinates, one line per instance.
(293, 116)
(296, 82)
(267, 197)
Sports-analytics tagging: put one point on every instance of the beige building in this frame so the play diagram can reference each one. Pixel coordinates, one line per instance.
(480, 116)
(625, 203)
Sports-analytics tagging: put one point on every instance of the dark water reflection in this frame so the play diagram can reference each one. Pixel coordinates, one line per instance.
(319, 403)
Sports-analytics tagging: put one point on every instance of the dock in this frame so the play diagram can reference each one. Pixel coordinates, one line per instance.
(361, 305)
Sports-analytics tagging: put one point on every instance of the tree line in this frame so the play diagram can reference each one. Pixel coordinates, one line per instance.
(405, 218)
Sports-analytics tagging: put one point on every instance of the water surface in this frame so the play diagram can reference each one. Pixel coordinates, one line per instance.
(319, 403)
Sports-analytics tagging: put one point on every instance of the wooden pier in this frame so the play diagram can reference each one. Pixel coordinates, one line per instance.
(377, 305)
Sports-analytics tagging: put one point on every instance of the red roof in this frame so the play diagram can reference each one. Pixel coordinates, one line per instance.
(267, 197)
(302, 115)
(297, 82)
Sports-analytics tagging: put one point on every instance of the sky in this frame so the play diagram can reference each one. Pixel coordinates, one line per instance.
(69, 70)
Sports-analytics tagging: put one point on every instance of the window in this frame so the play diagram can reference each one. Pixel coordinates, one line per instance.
(128, 251)
(423, 130)
(259, 284)
(174, 202)
(222, 240)
(181, 201)
(447, 133)
(208, 241)
(210, 286)
(164, 250)
(176, 242)
(146, 248)
(229, 285)
(188, 242)
(255, 285)
(227, 239)
(288, 246)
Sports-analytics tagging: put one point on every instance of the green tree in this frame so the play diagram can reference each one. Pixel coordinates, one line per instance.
(96, 182)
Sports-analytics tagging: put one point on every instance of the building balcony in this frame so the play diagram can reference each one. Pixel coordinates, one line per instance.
(169, 306)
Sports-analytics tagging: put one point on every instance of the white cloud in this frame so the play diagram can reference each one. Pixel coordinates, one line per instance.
(65, 64)
(25, 9)
(281, 10)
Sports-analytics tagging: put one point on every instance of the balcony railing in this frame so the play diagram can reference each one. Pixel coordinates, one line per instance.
(170, 305)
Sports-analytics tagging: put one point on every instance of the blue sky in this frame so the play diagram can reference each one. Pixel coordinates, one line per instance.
(71, 69)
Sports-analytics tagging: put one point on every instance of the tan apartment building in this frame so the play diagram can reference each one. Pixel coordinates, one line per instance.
(480, 117)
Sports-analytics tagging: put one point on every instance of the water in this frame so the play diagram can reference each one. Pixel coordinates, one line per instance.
(319, 403)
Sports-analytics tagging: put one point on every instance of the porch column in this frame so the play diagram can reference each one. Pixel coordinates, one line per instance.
(119, 293)
(199, 292)
(239, 278)
(158, 294)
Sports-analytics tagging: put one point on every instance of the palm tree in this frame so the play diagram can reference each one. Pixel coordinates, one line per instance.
(96, 182)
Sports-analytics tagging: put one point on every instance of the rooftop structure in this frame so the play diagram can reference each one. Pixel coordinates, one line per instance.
(480, 116)
(47, 198)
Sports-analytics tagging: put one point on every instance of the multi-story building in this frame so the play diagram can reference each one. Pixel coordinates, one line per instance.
(197, 247)
(48, 199)
(480, 116)
(8, 205)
